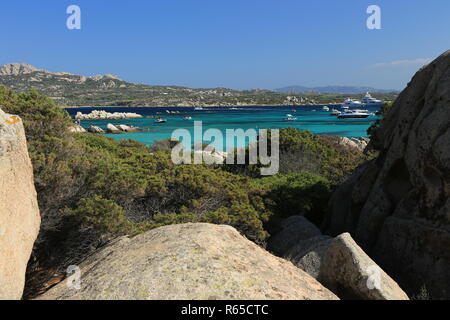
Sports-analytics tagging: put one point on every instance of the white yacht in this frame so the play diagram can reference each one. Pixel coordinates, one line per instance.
(354, 114)
(368, 100)
(335, 112)
(350, 103)
(361, 110)
(325, 108)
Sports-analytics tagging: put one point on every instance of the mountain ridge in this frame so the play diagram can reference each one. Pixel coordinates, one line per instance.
(68, 89)
(16, 69)
(334, 89)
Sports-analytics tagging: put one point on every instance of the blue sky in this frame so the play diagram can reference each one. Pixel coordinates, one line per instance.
(234, 43)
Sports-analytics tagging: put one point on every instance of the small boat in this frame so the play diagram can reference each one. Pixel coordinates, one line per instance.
(290, 119)
(354, 114)
(198, 108)
(335, 112)
(289, 115)
(187, 118)
(325, 108)
(160, 120)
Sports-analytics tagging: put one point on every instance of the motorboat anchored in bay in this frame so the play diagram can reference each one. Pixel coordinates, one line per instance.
(368, 100)
(290, 118)
(350, 103)
(354, 114)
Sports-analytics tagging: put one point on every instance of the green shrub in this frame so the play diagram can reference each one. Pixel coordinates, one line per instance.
(301, 193)
(303, 151)
(102, 214)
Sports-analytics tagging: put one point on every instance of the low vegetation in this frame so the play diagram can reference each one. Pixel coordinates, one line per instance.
(321, 155)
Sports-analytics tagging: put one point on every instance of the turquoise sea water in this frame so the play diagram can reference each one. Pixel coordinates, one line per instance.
(318, 121)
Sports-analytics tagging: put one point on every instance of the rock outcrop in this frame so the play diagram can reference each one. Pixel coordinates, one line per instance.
(77, 129)
(125, 128)
(339, 263)
(95, 129)
(14, 69)
(292, 231)
(308, 254)
(112, 128)
(19, 212)
(349, 272)
(188, 261)
(101, 114)
(397, 207)
(359, 144)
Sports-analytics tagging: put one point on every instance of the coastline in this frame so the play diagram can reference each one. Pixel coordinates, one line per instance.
(208, 106)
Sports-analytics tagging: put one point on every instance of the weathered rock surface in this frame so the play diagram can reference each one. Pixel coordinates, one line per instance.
(308, 254)
(95, 129)
(101, 114)
(293, 230)
(216, 156)
(397, 207)
(125, 128)
(19, 212)
(359, 144)
(112, 128)
(14, 69)
(189, 261)
(339, 263)
(77, 129)
(349, 272)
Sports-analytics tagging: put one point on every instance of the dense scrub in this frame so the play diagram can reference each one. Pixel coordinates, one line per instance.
(92, 188)
(303, 151)
(301, 193)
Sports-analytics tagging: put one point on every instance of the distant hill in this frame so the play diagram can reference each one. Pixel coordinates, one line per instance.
(69, 89)
(334, 89)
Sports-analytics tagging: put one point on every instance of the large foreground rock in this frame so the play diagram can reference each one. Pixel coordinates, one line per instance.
(397, 207)
(308, 254)
(338, 263)
(189, 261)
(292, 231)
(19, 212)
(350, 273)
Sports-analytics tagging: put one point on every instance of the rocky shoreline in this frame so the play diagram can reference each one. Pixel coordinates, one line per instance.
(101, 114)
(110, 128)
(204, 105)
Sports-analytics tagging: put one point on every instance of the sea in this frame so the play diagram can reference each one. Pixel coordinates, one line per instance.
(311, 118)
